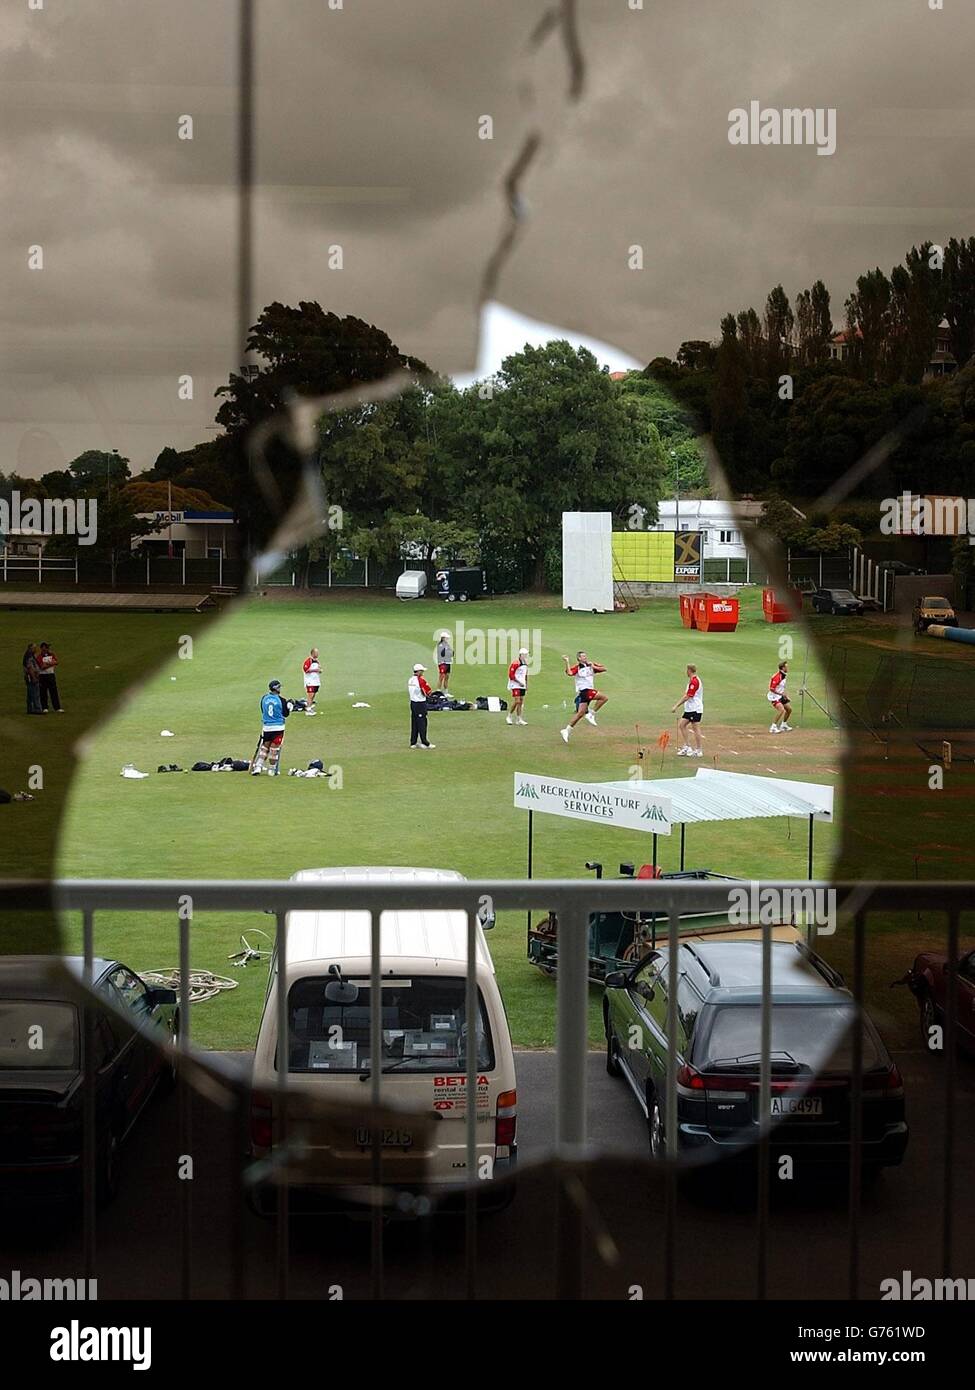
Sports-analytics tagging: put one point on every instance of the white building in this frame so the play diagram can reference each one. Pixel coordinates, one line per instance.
(720, 523)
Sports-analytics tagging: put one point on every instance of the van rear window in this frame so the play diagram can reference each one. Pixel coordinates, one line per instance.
(424, 1025)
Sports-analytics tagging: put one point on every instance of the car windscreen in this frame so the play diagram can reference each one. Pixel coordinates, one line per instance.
(933, 601)
(423, 1021)
(38, 1036)
(814, 1037)
(844, 596)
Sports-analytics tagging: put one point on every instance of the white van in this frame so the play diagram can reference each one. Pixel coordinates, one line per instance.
(424, 1056)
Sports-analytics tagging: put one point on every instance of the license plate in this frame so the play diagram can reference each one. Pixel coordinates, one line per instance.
(388, 1138)
(796, 1105)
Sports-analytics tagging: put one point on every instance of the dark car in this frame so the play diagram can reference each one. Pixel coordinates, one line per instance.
(930, 980)
(42, 1064)
(717, 1063)
(899, 567)
(836, 601)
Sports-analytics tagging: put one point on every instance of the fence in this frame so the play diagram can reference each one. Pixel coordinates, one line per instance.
(148, 570)
(572, 901)
(833, 571)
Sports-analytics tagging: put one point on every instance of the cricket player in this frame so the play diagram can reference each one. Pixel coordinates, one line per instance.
(418, 691)
(779, 701)
(274, 711)
(445, 658)
(312, 674)
(689, 726)
(588, 698)
(518, 685)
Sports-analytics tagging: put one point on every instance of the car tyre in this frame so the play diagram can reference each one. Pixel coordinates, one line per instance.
(108, 1176)
(929, 1017)
(655, 1127)
(613, 1066)
(169, 1075)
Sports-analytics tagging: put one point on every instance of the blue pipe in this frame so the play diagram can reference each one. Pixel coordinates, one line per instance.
(953, 634)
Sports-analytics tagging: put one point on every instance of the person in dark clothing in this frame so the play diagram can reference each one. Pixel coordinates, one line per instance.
(32, 679)
(47, 661)
(419, 690)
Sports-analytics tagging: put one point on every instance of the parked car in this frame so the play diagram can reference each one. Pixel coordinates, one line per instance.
(42, 1063)
(719, 1049)
(929, 979)
(899, 567)
(425, 1035)
(932, 608)
(836, 601)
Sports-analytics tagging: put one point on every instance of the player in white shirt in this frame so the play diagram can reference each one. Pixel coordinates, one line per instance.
(311, 671)
(588, 698)
(689, 728)
(518, 685)
(779, 701)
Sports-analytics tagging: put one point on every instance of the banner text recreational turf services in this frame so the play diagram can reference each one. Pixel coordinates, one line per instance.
(591, 801)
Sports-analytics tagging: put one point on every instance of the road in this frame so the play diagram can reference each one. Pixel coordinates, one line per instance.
(622, 1199)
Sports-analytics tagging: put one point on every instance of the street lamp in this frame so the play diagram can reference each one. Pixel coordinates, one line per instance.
(673, 455)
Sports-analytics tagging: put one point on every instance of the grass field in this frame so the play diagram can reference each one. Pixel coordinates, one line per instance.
(449, 808)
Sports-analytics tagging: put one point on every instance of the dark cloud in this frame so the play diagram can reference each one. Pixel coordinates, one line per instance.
(367, 137)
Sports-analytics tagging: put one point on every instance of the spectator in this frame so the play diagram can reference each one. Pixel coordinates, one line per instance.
(32, 679)
(47, 661)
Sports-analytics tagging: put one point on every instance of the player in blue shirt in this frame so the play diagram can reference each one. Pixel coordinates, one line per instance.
(274, 711)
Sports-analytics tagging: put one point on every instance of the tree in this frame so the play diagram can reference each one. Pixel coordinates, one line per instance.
(302, 351)
(667, 420)
(814, 325)
(868, 323)
(779, 328)
(730, 400)
(750, 339)
(695, 355)
(959, 273)
(97, 467)
(916, 307)
(556, 436)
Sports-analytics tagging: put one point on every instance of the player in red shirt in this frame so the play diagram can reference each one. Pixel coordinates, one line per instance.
(779, 701)
(517, 686)
(689, 728)
(588, 698)
(312, 668)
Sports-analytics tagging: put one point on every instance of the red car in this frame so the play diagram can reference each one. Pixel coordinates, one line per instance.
(930, 980)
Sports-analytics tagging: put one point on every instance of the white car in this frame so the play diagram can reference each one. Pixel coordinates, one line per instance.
(422, 1147)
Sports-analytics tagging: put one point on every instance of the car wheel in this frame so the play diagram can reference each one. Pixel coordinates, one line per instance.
(655, 1124)
(169, 1074)
(107, 1179)
(929, 1018)
(613, 1067)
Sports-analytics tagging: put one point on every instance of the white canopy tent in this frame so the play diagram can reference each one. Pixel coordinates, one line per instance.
(658, 804)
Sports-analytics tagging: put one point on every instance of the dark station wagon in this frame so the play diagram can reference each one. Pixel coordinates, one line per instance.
(719, 999)
(42, 1064)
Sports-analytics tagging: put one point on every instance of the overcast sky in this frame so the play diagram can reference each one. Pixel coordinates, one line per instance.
(367, 138)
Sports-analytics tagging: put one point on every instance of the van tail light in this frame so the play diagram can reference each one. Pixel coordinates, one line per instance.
(261, 1122)
(690, 1079)
(504, 1127)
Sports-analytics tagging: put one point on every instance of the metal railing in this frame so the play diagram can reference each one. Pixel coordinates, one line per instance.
(571, 901)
